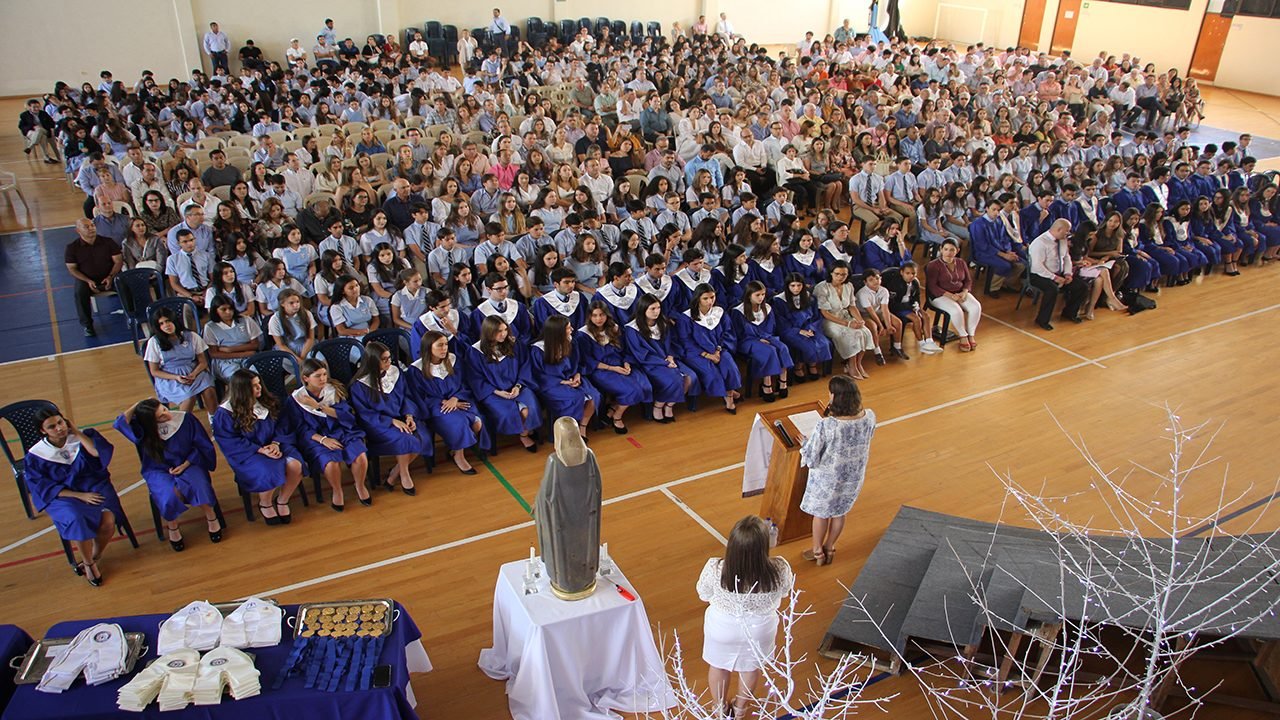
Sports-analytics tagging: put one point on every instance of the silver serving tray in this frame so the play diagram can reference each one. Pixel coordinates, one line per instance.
(226, 608)
(32, 666)
(388, 606)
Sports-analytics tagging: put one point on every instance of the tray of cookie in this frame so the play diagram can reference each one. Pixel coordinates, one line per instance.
(344, 618)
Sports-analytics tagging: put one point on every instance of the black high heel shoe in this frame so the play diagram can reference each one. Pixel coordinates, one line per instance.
(783, 391)
(269, 520)
(336, 507)
(215, 536)
(620, 429)
(94, 581)
(178, 545)
(284, 519)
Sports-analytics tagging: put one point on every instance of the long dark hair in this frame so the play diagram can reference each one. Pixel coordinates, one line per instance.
(642, 319)
(179, 329)
(695, 300)
(240, 397)
(610, 330)
(747, 567)
(151, 444)
(371, 368)
(488, 331)
(556, 344)
(799, 301)
(236, 291)
(846, 398)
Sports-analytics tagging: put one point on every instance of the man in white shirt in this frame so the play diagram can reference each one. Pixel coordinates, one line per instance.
(418, 48)
(724, 28)
(1052, 274)
(600, 185)
(216, 43)
(753, 157)
(297, 178)
(147, 181)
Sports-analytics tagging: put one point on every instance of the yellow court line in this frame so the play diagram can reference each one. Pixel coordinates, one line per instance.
(48, 281)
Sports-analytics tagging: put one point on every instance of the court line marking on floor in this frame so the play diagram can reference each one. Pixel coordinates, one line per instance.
(1192, 331)
(524, 504)
(55, 356)
(696, 517)
(45, 530)
(48, 282)
(1044, 340)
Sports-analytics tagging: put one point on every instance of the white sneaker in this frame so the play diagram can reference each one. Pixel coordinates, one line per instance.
(930, 347)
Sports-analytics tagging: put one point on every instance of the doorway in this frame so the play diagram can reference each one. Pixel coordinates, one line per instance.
(1064, 27)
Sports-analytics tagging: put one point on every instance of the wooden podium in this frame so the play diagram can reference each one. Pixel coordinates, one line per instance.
(786, 480)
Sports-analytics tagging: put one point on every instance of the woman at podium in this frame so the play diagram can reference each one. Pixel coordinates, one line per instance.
(836, 454)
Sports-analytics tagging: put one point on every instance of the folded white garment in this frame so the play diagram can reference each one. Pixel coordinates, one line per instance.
(98, 651)
(196, 626)
(225, 667)
(256, 623)
(169, 679)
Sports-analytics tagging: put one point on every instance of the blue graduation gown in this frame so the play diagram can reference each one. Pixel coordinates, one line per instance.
(789, 321)
(712, 332)
(428, 322)
(879, 258)
(1171, 263)
(484, 376)
(50, 470)
(189, 442)
(254, 472)
(454, 427)
(1063, 210)
(1029, 221)
(574, 309)
(307, 422)
(772, 277)
(728, 294)
(630, 389)
(759, 344)
(562, 400)
(811, 267)
(667, 290)
(375, 414)
(1126, 198)
(829, 254)
(514, 313)
(650, 356)
(620, 303)
(1190, 249)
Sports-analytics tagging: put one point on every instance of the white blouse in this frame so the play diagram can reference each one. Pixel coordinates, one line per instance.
(740, 604)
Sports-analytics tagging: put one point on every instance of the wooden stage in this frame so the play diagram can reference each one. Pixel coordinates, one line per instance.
(949, 422)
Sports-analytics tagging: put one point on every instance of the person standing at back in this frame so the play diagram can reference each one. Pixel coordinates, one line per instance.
(836, 455)
(743, 590)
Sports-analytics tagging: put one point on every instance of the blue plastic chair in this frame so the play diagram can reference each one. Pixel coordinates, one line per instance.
(397, 340)
(337, 354)
(273, 368)
(186, 307)
(22, 416)
(137, 289)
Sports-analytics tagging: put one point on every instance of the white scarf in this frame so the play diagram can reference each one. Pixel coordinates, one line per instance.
(805, 259)
(655, 331)
(166, 430)
(328, 398)
(487, 309)
(64, 455)
(437, 370)
(564, 307)
(623, 298)
(660, 291)
(754, 318)
(835, 251)
(691, 280)
(259, 411)
(431, 322)
(709, 320)
(389, 380)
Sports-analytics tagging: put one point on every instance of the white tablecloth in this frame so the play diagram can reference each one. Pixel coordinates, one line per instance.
(575, 660)
(756, 468)
(416, 660)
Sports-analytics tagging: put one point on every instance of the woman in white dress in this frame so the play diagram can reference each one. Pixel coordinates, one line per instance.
(841, 320)
(836, 455)
(743, 590)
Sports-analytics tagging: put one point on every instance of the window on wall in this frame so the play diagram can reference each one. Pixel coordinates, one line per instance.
(1167, 4)
(1256, 8)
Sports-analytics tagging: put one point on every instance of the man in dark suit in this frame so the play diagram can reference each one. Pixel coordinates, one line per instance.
(37, 127)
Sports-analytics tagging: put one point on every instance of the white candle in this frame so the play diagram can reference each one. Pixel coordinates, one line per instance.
(532, 554)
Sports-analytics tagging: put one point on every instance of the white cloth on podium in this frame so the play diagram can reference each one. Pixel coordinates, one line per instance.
(755, 470)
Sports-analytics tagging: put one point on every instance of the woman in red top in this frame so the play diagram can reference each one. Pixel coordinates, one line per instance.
(948, 286)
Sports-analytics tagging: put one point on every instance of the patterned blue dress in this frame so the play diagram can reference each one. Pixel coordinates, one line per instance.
(179, 359)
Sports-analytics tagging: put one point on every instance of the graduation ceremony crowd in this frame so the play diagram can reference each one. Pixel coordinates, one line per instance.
(594, 225)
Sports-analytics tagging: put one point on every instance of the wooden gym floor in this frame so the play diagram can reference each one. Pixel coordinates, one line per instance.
(949, 422)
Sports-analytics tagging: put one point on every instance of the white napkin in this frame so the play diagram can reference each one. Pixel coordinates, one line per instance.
(225, 667)
(169, 678)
